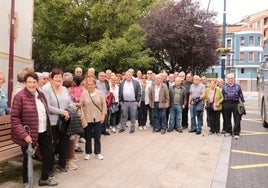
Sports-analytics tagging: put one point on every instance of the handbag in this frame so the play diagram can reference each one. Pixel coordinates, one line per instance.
(62, 125)
(83, 120)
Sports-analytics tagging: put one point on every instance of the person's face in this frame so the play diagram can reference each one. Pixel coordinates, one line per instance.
(204, 81)
(171, 78)
(1, 79)
(41, 82)
(102, 77)
(178, 81)
(91, 85)
(108, 74)
(157, 80)
(143, 80)
(230, 80)
(114, 80)
(139, 74)
(220, 83)
(78, 72)
(212, 84)
(182, 76)
(196, 81)
(57, 80)
(128, 76)
(189, 78)
(149, 75)
(70, 90)
(31, 85)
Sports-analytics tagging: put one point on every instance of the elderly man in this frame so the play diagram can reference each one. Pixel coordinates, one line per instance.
(178, 101)
(129, 97)
(159, 102)
(232, 94)
(78, 71)
(196, 104)
(187, 84)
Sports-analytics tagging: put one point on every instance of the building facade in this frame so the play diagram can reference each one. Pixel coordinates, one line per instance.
(23, 27)
(246, 41)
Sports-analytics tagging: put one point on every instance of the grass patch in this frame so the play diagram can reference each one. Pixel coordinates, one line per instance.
(14, 173)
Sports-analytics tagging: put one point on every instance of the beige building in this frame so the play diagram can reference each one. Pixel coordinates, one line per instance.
(22, 36)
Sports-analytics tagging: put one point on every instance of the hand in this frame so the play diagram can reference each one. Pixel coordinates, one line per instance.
(28, 139)
(66, 114)
(102, 118)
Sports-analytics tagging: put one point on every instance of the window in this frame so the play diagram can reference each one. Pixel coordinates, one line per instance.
(241, 58)
(258, 24)
(242, 41)
(250, 56)
(229, 43)
(259, 41)
(259, 56)
(251, 41)
(242, 70)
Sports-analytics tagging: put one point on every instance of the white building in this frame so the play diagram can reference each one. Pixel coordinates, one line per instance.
(22, 36)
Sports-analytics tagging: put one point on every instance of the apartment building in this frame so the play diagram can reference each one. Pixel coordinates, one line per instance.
(248, 44)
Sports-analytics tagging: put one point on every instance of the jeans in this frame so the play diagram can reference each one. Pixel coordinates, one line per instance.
(159, 115)
(128, 108)
(214, 117)
(175, 116)
(199, 116)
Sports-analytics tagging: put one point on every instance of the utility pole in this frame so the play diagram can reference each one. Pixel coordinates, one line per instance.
(11, 52)
(223, 40)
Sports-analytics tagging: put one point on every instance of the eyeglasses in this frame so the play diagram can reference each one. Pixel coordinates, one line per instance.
(143, 78)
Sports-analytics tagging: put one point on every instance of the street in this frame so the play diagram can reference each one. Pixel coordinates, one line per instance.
(248, 164)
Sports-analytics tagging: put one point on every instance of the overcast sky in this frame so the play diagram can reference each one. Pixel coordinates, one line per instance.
(235, 9)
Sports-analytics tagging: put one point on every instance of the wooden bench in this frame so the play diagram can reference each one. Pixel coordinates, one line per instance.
(8, 149)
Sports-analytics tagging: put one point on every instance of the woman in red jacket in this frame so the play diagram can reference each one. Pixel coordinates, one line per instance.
(29, 108)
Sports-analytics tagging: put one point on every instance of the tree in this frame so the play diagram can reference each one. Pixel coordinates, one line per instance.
(175, 40)
(89, 33)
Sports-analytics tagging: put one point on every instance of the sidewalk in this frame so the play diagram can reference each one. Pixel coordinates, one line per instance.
(146, 159)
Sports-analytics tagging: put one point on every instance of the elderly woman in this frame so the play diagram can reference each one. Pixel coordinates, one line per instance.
(213, 104)
(93, 104)
(58, 100)
(3, 96)
(30, 109)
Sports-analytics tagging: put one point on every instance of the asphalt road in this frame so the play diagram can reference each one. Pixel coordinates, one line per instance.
(248, 165)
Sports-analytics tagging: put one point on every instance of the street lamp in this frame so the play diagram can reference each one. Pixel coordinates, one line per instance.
(223, 40)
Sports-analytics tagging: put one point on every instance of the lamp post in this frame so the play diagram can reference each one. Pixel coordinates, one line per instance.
(223, 40)
(11, 52)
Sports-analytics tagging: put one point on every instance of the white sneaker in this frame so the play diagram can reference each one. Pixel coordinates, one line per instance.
(236, 137)
(87, 157)
(140, 128)
(113, 130)
(227, 134)
(144, 128)
(99, 156)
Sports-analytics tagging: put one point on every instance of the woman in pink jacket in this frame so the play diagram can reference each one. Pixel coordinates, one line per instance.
(29, 108)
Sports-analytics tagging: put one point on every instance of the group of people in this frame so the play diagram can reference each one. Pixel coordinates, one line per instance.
(107, 101)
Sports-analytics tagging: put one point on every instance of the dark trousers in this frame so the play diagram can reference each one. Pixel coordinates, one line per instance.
(104, 125)
(46, 149)
(61, 143)
(142, 114)
(214, 118)
(230, 107)
(93, 130)
(184, 121)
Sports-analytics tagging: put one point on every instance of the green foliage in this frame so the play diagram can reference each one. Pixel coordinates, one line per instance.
(101, 34)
